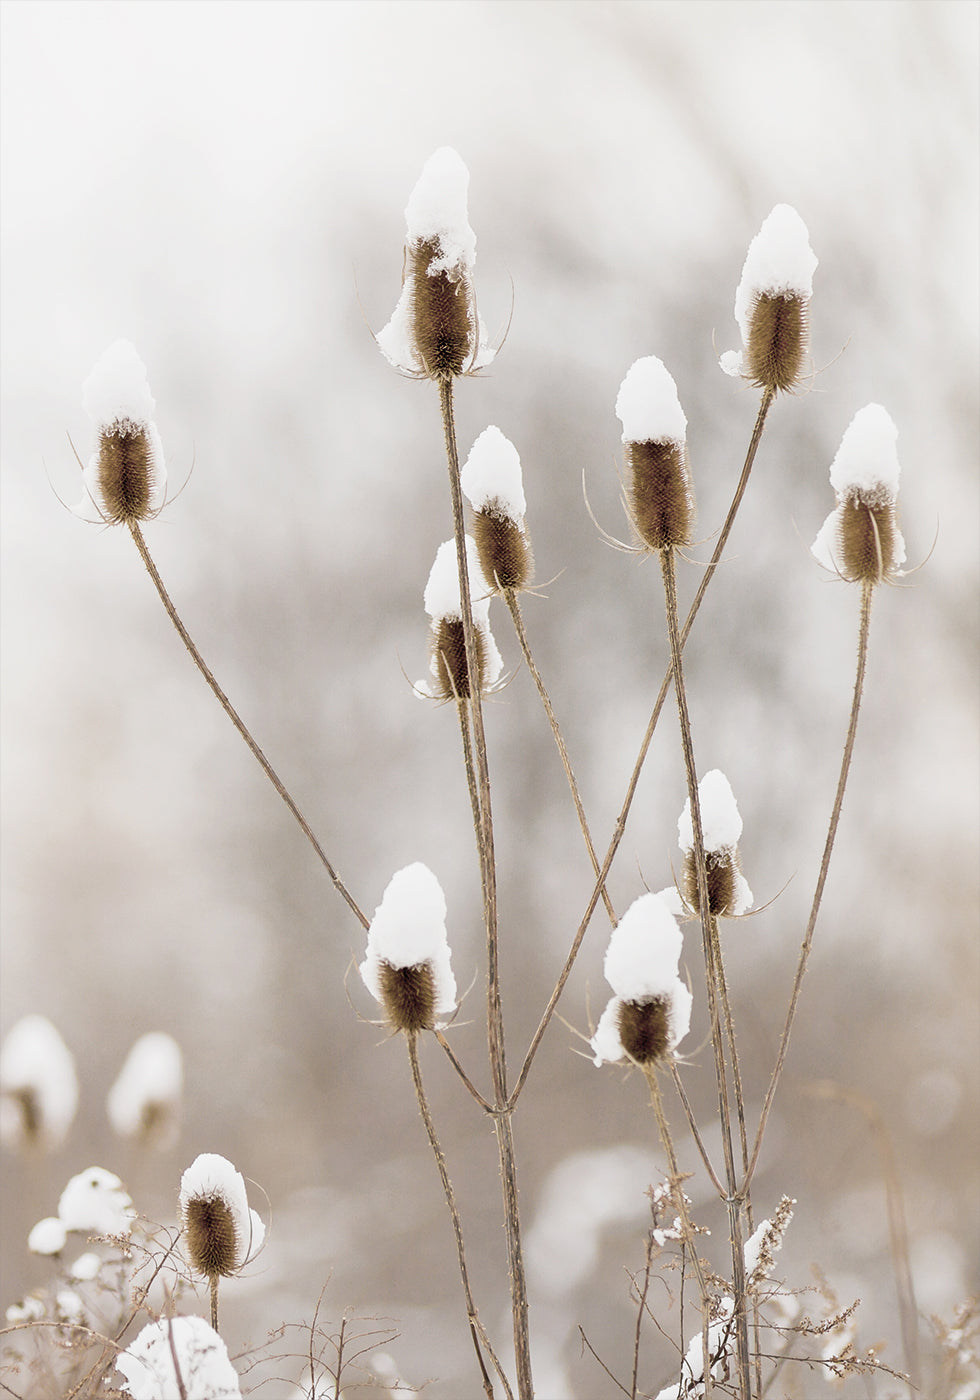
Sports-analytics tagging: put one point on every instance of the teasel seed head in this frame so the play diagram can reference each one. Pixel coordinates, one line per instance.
(126, 478)
(861, 540)
(658, 486)
(435, 331)
(721, 827)
(492, 482)
(221, 1233)
(651, 1010)
(407, 968)
(772, 304)
(144, 1102)
(644, 1029)
(38, 1087)
(450, 678)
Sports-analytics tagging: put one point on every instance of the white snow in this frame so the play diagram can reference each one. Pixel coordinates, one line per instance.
(151, 1078)
(36, 1062)
(721, 824)
(96, 1202)
(491, 475)
(48, 1236)
(409, 928)
(866, 463)
(780, 262)
(441, 600)
(147, 1364)
(86, 1267)
(644, 949)
(647, 404)
(211, 1176)
(117, 391)
(692, 1369)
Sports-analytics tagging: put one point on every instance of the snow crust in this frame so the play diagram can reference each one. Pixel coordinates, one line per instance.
(647, 404)
(210, 1176)
(117, 391)
(35, 1061)
(96, 1202)
(151, 1078)
(491, 475)
(721, 824)
(409, 928)
(206, 1373)
(780, 262)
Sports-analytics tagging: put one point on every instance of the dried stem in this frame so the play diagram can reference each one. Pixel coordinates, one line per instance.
(213, 1281)
(239, 723)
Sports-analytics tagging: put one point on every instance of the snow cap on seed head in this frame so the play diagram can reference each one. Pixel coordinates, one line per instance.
(38, 1086)
(407, 968)
(144, 1101)
(772, 303)
(221, 1232)
(860, 540)
(721, 828)
(435, 331)
(447, 662)
(126, 477)
(658, 488)
(492, 483)
(651, 1011)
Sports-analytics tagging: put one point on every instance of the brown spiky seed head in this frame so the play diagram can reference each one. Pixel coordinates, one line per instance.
(660, 498)
(212, 1242)
(775, 350)
(644, 1029)
(503, 547)
(126, 472)
(869, 547)
(451, 679)
(720, 871)
(409, 996)
(443, 313)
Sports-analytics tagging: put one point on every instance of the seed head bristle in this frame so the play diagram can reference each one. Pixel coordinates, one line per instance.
(212, 1242)
(721, 869)
(504, 549)
(660, 499)
(126, 472)
(776, 347)
(409, 996)
(867, 539)
(644, 1029)
(451, 678)
(443, 316)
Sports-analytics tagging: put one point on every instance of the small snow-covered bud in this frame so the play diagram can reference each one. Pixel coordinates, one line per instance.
(144, 1102)
(178, 1356)
(96, 1203)
(221, 1232)
(491, 481)
(38, 1086)
(658, 488)
(407, 968)
(860, 540)
(721, 827)
(651, 1011)
(126, 478)
(447, 661)
(435, 331)
(48, 1236)
(772, 303)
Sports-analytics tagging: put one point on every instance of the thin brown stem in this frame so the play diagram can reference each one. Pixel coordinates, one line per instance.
(695, 1131)
(676, 1179)
(864, 627)
(477, 1330)
(641, 1309)
(239, 723)
(213, 1281)
(451, 1056)
(726, 1008)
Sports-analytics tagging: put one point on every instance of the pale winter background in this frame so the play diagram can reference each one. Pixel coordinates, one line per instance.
(224, 184)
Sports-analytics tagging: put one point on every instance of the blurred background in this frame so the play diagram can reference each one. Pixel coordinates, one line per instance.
(224, 184)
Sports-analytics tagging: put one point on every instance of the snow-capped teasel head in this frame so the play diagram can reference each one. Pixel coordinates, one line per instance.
(38, 1087)
(860, 540)
(144, 1102)
(721, 828)
(651, 1011)
(407, 968)
(178, 1346)
(95, 1202)
(492, 482)
(772, 303)
(126, 477)
(221, 1232)
(659, 494)
(447, 659)
(435, 331)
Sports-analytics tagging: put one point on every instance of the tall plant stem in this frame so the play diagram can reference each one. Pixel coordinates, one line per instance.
(713, 975)
(620, 827)
(503, 1126)
(239, 723)
(513, 604)
(213, 1281)
(864, 627)
(477, 1330)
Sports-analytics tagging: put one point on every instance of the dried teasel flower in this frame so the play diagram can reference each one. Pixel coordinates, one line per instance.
(658, 487)
(721, 828)
(144, 1101)
(772, 303)
(860, 540)
(651, 1011)
(447, 661)
(38, 1087)
(407, 967)
(435, 331)
(491, 481)
(126, 478)
(221, 1232)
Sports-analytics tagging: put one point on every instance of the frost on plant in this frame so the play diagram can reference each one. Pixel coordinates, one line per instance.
(126, 477)
(407, 967)
(651, 1011)
(860, 540)
(38, 1086)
